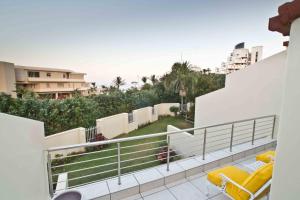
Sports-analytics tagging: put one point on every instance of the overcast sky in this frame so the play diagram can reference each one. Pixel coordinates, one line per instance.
(132, 38)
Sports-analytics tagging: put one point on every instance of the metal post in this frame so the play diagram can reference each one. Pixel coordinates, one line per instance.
(231, 137)
(273, 129)
(253, 131)
(51, 190)
(119, 163)
(168, 153)
(204, 144)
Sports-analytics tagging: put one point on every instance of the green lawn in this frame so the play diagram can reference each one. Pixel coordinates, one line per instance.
(135, 155)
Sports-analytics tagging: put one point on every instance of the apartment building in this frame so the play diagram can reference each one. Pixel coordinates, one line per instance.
(240, 58)
(50, 82)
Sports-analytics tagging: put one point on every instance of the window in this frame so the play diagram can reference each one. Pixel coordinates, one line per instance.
(33, 74)
(256, 57)
(48, 74)
(60, 85)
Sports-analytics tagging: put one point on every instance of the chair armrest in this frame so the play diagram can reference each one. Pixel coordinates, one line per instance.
(226, 180)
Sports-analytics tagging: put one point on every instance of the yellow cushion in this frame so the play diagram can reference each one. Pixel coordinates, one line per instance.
(231, 172)
(253, 183)
(266, 157)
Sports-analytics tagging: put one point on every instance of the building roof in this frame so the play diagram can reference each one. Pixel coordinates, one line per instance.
(47, 69)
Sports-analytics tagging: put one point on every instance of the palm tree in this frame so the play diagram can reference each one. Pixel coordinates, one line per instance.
(153, 79)
(119, 82)
(144, 79)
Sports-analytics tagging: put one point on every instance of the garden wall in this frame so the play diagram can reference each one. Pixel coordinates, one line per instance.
(73, 136)
(115, 125)
(164, 108)
(145, 115)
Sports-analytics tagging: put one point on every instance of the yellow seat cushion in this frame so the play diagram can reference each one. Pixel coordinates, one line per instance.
(231, 172)
(266, 157)
(253, 183)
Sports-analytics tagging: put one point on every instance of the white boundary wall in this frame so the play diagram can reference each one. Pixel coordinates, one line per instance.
(116, 125)
(252, 92)
(73, 136)
(164, 108)
(23, 162)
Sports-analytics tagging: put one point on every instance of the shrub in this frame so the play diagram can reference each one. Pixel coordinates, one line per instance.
(174, 109)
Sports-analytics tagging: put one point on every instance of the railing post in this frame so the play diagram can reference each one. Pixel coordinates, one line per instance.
(231, 137)
(168, 153)
(51, 190)
(204, 144)
(253, 131)
(273, 128)
(119, 163)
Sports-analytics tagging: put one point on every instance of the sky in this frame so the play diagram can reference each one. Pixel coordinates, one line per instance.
(132, 38)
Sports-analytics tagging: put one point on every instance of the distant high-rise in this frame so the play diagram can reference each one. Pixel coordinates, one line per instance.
(240, 58)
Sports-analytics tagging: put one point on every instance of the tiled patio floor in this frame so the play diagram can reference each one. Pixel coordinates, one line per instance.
(186, 179)
(192, 188)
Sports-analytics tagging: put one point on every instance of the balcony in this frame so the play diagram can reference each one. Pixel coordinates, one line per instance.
(49, 80)
(187, 159)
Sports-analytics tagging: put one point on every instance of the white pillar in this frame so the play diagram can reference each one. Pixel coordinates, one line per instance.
(286, 176)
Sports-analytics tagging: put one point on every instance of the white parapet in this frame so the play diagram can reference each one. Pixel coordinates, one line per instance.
(23, 166)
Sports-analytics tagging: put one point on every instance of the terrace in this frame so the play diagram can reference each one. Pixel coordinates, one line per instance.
(138, 174)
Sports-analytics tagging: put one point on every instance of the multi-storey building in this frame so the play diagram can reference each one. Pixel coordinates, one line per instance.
(240, 58)
(51, 82)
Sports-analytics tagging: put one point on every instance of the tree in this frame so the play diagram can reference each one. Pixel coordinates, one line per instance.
(153, 79)
(119, 82)
(144, 79)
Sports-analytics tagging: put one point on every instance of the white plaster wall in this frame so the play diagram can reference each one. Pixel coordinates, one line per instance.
(252, 92)
(164, 108)
(185, 143)
(73, 136)
(23, 167)
(115, 125)
(144, 116)
(286, 176)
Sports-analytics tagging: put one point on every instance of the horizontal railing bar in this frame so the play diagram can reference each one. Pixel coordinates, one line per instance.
(84, 161)
(269, 120)
(88, 153)
(87, 168)
(146, 136)
(140, 164)
(129, 153)
(237, 126)
(262, 129)
(142, 157)
(126, 147)
(208, 137)
(208, 131)
(81, 177)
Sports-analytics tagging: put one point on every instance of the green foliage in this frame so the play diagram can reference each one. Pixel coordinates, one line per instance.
(174, 109)
(61, 115)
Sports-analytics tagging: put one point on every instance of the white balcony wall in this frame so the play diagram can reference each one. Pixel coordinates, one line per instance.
(249, 93)
(73, 136)
(23, 167)
(286, 176)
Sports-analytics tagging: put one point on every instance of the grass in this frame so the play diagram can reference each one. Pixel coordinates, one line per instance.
(135, 155)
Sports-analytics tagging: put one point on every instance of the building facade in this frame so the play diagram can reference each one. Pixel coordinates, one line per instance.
(46, 82)
(241, 58)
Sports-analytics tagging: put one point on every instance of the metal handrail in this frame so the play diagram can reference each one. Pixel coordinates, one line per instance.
(205, 144)
(111, 141)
